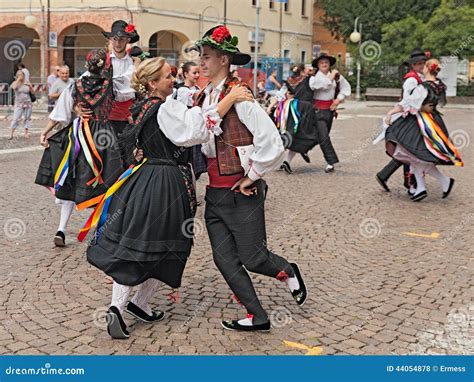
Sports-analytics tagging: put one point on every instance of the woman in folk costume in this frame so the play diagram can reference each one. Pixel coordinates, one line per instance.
(81, 161)
(411, 80)
(295, 117)
(186, 93)
(246, 145)
(143, 234)
(330, 89)
(420, 137)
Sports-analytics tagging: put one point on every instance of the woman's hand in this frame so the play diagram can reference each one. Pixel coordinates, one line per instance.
(240, 93)
(82, 112)
(388, 119)
(138, 154)
(44, 139)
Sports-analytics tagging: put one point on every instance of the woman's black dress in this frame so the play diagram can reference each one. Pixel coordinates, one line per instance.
(405, 131)
(95, 93)
(306, 135)
(148, 232)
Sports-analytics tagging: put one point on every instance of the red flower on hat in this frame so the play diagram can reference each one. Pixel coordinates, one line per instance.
(130, 28)
(220, 34)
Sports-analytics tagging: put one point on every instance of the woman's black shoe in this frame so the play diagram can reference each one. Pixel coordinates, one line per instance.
(451, 184)
(140, 314)
(116, 326)
(286, 166)
(300, 294)
(234, 325)
(60, 239)
(420, 196)
(306, 157)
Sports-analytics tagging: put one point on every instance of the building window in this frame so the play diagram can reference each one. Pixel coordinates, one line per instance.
(286, 53)
(303, 7)
(286, 6)
(271, 4)
(254, 3)
(303, 57)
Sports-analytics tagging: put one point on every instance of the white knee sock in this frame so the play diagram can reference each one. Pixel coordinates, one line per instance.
(440, 177)
(120, 295)
(290, 156)
(66, 211)
(420, 178)
(144, 292)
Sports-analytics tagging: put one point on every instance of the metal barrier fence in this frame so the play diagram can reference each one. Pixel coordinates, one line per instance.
(7, 98)
(5, 95)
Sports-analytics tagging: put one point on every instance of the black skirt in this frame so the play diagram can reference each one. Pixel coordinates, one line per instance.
(405, 132)
(306, 136)
(148, 232)
(75, 186)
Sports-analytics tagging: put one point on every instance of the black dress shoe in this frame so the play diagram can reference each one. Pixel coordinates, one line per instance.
(420, 196)
(286, 166)
(300, 294)
(60, 239)
(451, 184)
(139, 313)
(116, 326)
(382, 183)
(306, 157)
(234, 325)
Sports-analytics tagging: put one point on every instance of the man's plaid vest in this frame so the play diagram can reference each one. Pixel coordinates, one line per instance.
(234, 134)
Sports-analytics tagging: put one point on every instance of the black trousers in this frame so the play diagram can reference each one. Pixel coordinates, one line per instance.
(392, 166)
(324, 125)
(119, 127)
(236, 228)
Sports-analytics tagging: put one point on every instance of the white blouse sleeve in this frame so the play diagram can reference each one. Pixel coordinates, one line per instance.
(268, 148)
(122, 84)
(413, 101)
(320, 81)
(62, 112)
(344, 88)
(408, 86)
(184, 95)
(182, 126)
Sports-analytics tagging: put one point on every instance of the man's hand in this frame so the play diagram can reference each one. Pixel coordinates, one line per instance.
(138, 154)
(335, 104)
(243, 185)
(82, 112)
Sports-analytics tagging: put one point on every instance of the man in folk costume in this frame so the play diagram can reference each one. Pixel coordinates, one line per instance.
(410, 81)
(247, 146)
(330, 89)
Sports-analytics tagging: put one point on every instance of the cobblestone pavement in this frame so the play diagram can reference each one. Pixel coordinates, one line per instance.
(385, 275)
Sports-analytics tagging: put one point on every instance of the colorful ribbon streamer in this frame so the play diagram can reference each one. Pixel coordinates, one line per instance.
(99, 215)
(436, 141)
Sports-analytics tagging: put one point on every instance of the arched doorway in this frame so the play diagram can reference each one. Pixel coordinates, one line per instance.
(18, 43)
(167, 44)
(76, 41)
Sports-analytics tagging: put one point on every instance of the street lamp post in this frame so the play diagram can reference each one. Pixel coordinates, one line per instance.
(257, 37)
(356, 37)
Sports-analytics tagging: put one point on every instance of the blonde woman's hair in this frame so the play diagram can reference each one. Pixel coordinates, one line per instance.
(148, 70)
(433, 66)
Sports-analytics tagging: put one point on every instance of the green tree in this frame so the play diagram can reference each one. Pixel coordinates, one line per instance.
(340, 15)
(449, 31)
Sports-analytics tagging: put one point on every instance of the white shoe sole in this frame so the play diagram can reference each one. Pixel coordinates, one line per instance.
(58, 241)
(114, 328)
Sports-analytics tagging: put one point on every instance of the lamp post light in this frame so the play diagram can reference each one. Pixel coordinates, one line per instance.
(30, 22)
(356, 38)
